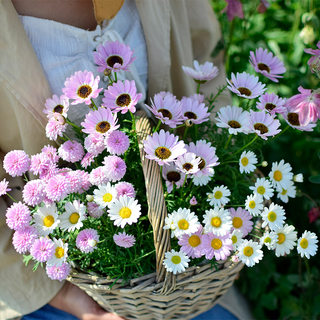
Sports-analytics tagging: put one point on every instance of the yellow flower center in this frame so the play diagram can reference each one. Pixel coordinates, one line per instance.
(234, 124)
(304, 243)
(216, 222)
(162, 153)
(216, 244)
(281, 238)
(194, 241)
(237, 222)
(261, 189)
(252, 204)
(277, 175)
(248, 251)
(103, 126)
(272, 216)
(176, 259)
(234, 239)
(107, 197)
(218, 195)
(267, 240)
(59, 252)
(48, 221)
(284, 192)
(183, 224)
(125, 213)
(244, 161)
(74, 217)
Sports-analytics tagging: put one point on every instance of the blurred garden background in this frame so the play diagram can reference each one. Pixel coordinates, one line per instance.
(285, 287)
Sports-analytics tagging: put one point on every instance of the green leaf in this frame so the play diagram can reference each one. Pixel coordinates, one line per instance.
(315, 179)
(26, 259)
(269, 301)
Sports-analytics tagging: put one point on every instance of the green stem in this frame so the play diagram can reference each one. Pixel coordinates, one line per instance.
(157, 127)
(94, 107)
(283, 131)
(11, 197)
(184, 182)
(25, 178)
(234, 205)
(198, 87)
(228, 141)
(133, 122)
(115, 77)
(216, 97)
(73, 125)
(231, 161)
(248, 144)
(226, 55)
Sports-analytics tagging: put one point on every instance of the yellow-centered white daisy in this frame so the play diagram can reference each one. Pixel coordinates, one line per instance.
(105, 195)
(217, 221)
(285, 194)
(176, 262)
(60, 253)
(269, 239)
(247, 162)
(236, 238)
(219, 196)
(263, 188)
(75, 213)
(280, 174)
(254, 204)
(274, 216)
(286, 240)
(307, 244)
(250, 252)
(125, 210)
(181, 222)
(46, 219)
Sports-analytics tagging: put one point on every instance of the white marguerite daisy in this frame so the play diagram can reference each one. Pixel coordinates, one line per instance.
(60, 253)
(219, 196)
(73, 216)
(274, 216)
(175, 261)
(188, 163)
(254, 204)
(263, 187)
(46, 219)
(281, 174)
(105, 195)
(217, 221)
(307, 244)
(236, 238)
(285, 194)
(269, 239)
(124, 210)
(181, 222)
(247, 162)
(250, 252)
(286, 240)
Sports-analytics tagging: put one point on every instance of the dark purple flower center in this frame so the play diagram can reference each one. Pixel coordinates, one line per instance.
(202, 164)
(234, 124)
(190, 115)
(103, 126)
(261, 127)
(84, 91)
(112, 60)
(173, 176)
(270, 106)
(123, 100)
(58, 108)
(166, 113)
(187, 166)
(263, 67)
(245, 91)
(293, 119)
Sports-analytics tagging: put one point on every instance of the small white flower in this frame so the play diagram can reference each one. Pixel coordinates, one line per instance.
(274, 216)
(46, 219)
(219, 196)
(307, 244)
(247, 162)
(287, 237)
(175, 261)
(263, 188)
(201, 72)
(60, 254)
(250, 252)
(281, 174)
(73, 216)
(298, 177)
(284, 194)
(254, 204)
(105, 195)
(217, 221)
(188, 163)
(269, 239)
(236, 238)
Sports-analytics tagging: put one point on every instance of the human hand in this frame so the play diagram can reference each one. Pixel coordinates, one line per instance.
(73, 300)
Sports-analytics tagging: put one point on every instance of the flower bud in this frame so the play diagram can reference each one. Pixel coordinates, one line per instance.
(298, 177)
(307, 34)
(193, 201)
(89, 197)
(264, 164)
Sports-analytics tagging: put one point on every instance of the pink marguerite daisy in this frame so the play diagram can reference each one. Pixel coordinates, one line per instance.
(271, 103)
(51, 153)
(4, 187)
(241, 220)
(87, 240)
(172, 176)
(87, 160)
(125, 189)
(194, 111)
(56, 126)
(219, 247)
(42, 249)
(34, 192)
(314, 62)
(84, 180)
(115, 168)
(95, 210)
(40, 164)
(56, 272)
(16, 163)
(124, 240)
(57, 188)
(23, 239)
(292, 118)
(56, 105)
(191, 244)
(18, 216)
(188, 163)
(98, 176)
(117, 142)
(201, 72)
(94, 143)
(71, 151)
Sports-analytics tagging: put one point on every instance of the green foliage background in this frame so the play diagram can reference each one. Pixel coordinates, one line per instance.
(286, 287)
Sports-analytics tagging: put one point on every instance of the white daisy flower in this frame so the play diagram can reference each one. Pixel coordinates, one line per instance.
(46, 219)
(236, 238)
(60, 253)
(217, 221)
(247, 162)
(254, 204)
(105, 195)
(176, 262)
(124, 210)
(263, 187)
(269, 239)
(181, 222)
(188, 163)
(287, 237)
(284, 194)
(250, 252)
(281, 174)
(219, 196)
(274, 216)
(233, 118)
(298, 177)
(307, 244)
(73, 216)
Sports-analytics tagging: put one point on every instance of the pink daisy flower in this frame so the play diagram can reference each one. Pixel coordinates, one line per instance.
(114, 56)
(73, 179)
(314, 62)
(263, 124)
(84, 180)
(82, 87)
(194, 111)
(233, 9)
(166, 108)
(94, 143)
(246, 85)
(71, 151)
(122, 96)
(57, 188)
(124, 240)
(87, 240)
(191, 244)
(56, 105)
(102, 121)
(117, 142)
(172, 176)
(16, 163)
(98, 176)
(271, 103)
(4, 187)
(51, 153)
(60, 273)
(218, 247)
(115, 168)
(18, 216)
(188, 163)
(40, 164)
(265, 63)
(292, 118)
(163, 147)
(193, 201)
(125, 189)
(87, 160)
(42, 249)
(23, 239)
(55, 127)
(241, 220)
(94, 210)
(34, 192)
(201, 72)
(307, 104)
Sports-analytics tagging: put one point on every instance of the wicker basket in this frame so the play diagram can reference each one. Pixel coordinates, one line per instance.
(159, 295)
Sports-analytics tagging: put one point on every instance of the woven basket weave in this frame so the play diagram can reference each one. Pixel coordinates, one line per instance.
(159, 295)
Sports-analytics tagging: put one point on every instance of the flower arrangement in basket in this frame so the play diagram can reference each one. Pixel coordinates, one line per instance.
(101, 221)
